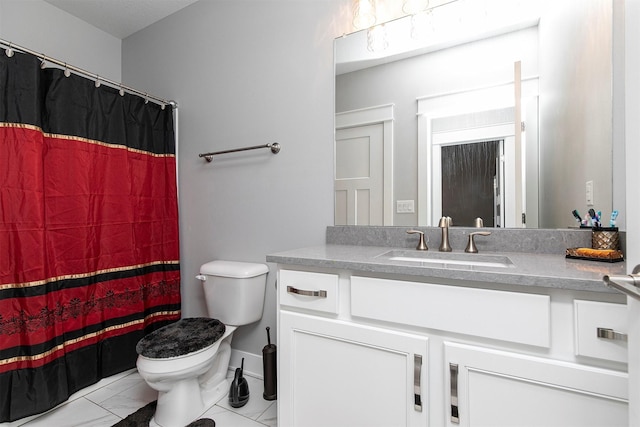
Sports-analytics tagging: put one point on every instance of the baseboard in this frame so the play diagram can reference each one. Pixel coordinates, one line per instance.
(252, 363)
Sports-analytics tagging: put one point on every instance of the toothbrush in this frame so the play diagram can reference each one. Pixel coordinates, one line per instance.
(612, 222)
(577, 216)
(594, 216)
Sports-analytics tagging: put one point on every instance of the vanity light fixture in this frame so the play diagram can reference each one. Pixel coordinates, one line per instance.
(364, 14)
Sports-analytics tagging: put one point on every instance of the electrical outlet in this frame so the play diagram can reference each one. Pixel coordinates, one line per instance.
(589, 193)
(405, 206)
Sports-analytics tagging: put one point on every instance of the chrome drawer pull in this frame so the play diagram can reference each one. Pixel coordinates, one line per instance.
(417, 393)
(292, 290)
(453, 375)
(610, 334)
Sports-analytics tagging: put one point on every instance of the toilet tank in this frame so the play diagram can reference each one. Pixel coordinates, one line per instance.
(234, 291)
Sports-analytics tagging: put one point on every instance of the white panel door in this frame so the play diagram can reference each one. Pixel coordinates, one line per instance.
(359, 185)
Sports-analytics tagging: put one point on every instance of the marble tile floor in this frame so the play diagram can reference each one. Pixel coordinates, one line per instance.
(113, 398)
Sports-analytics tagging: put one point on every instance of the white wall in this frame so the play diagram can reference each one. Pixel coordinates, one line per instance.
(246, 73)
(43, 28)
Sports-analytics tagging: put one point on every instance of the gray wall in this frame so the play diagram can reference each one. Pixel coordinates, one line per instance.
(41, 27)
(246, 73)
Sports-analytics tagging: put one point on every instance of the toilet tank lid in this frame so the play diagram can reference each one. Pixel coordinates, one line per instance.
(233, 269)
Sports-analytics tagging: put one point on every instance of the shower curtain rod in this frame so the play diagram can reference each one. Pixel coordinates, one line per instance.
(10, 46)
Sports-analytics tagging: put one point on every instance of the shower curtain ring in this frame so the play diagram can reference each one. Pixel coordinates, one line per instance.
(97, 81)
(67, 73)
(9, 50)
(146, 98)
(121, 91)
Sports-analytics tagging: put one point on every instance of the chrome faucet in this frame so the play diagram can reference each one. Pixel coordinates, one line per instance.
(444, 224)
(422, 246)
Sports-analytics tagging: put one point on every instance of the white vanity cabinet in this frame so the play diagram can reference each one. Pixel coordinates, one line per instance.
(339, 373)
(369, 351)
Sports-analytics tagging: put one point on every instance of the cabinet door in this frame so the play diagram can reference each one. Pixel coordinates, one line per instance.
(334, 373)
(495, 388)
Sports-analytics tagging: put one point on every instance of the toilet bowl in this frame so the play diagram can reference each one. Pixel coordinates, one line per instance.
(187, 361)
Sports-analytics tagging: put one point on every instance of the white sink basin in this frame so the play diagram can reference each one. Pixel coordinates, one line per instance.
(445, 259)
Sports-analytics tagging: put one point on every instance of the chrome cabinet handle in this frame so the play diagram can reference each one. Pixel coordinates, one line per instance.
(610, 334)
(417, 393)
(453, 375)
(320, 293)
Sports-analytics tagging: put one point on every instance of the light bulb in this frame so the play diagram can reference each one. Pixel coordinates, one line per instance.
(364, 14)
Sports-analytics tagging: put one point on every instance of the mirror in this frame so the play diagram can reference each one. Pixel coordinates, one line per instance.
(473, 73)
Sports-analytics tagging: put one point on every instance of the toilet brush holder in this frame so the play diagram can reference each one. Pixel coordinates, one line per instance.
(269, 359)
(239, 390)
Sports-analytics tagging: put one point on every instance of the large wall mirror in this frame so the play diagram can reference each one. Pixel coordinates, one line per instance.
(498, 109)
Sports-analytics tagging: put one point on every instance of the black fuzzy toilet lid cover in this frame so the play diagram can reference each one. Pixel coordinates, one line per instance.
(182, 337)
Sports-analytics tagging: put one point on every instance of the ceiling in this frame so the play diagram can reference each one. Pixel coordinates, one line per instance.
(120, 18)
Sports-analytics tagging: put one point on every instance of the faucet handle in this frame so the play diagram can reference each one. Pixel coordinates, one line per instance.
(478, 223)
(471, 246)
(422, 246)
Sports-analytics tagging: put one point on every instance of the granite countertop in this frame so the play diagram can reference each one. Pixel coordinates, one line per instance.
(528, 269)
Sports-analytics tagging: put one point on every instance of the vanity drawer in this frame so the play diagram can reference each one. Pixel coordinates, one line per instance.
(509, 316)
(611, 319)
(313, 291)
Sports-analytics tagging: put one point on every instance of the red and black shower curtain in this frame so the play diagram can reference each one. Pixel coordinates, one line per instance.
(89, 258)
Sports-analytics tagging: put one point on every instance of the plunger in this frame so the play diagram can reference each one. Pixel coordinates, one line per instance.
(269, 358)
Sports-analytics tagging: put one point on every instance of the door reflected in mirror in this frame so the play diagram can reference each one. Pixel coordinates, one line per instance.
(540, 82)
(471, 183)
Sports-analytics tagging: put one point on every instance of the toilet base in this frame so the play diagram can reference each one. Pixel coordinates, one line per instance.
(181, 405)
(182, 401)
(216, 393)
(181, 417)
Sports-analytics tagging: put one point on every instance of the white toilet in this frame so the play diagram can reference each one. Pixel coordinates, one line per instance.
(187, 361)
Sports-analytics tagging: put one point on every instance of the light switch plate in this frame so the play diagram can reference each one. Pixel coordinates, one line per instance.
(405, 206)
(589, 193)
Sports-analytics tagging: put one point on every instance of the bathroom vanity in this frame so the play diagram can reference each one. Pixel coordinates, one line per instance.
(389, 336)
